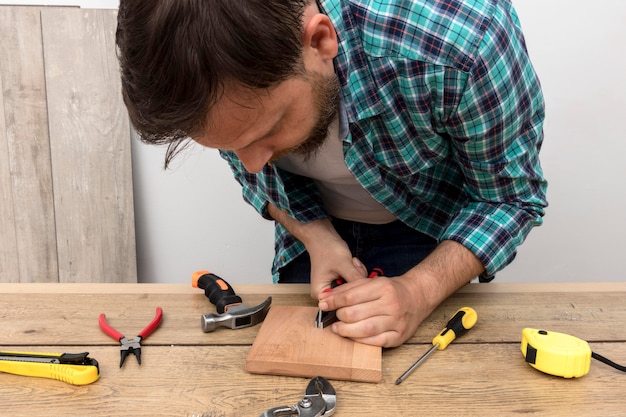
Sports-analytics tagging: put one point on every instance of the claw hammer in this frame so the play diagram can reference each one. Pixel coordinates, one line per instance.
(232, 313)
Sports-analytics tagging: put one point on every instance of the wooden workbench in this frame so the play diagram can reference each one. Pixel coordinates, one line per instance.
(186, 372)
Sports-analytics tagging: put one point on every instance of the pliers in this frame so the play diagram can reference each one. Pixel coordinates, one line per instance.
(319, 400)
(130, 345)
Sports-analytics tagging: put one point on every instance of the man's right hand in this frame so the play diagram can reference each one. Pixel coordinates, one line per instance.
(329, 253)
(331, 259)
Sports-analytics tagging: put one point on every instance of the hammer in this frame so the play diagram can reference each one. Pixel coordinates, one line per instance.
(232, 313)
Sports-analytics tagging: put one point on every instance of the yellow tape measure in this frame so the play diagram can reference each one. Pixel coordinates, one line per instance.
(556, 353)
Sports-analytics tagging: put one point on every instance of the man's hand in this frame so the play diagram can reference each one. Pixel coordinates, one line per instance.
(330, 255)
(378, 311)
(387, 311)
(331, 259)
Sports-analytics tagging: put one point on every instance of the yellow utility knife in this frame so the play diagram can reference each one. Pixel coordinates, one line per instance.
(73, 368)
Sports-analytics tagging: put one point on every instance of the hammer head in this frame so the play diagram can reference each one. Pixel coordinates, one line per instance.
(236, 316)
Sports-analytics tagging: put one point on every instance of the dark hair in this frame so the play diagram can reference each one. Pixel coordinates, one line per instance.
(177, 55)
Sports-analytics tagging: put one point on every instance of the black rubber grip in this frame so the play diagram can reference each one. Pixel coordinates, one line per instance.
(218, 291)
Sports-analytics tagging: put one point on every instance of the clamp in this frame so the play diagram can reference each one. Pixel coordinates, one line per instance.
(319, 400)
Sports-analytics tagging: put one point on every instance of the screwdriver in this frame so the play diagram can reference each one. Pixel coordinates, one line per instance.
(463, 320)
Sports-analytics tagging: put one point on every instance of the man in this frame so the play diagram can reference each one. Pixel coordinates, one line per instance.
(401, 135)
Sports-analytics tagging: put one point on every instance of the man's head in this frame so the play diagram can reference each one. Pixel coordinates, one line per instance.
(188, 64)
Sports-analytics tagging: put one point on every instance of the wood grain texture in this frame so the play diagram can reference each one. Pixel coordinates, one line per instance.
(65, 175)
(469, 380)
(289, 344)
(502, 315)
(589, 315)
(28, 245)
(9, 268)
(23, 323)
(186, 372)
(90, 147)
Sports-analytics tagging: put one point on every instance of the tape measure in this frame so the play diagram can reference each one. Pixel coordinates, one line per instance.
(559, 354)
(556, 353)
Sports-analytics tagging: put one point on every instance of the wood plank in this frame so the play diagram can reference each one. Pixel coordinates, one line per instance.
(591, 316)
(493, 289)
(90, 147)
(186, 372)
(29, 251)
(300, 290)
(544, 287)
(469, 380)
(73, 318)
(9, 268)
(494, 380)
(289, 344)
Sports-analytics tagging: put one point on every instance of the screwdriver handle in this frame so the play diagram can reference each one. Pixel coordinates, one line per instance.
(218, 291)
(464, 319)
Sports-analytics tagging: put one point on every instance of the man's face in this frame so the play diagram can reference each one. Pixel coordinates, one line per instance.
(261, 127)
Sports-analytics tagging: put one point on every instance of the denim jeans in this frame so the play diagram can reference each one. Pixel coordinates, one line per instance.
(393, 247)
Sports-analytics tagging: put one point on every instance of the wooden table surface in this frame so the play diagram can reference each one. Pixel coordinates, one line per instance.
(186, 372)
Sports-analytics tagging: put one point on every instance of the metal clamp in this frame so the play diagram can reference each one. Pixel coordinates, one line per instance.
(319, 400)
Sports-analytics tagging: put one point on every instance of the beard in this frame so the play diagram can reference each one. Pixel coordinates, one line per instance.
(326, 91)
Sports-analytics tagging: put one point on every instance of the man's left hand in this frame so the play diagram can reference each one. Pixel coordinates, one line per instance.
(377, 311)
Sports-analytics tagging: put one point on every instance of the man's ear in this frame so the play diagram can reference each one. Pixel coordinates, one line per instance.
(319, 37)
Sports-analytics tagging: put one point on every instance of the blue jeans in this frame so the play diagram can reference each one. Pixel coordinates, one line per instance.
(393, 247)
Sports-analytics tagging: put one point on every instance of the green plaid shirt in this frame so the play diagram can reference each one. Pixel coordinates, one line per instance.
(445, 117)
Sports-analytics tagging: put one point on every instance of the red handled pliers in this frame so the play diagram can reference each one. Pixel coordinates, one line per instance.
(130, 345)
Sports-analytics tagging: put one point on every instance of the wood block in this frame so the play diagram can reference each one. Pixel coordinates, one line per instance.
(288, 343)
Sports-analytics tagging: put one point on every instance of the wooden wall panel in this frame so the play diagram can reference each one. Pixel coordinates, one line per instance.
(28, 232)
(90, 147)
(66, 200)
(8, 242)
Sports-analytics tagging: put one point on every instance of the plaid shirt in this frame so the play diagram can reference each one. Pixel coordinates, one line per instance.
(445, 118)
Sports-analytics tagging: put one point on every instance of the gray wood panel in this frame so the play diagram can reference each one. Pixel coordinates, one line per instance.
(28, 232)
(65, 163)
(8, 242)
(90, 147)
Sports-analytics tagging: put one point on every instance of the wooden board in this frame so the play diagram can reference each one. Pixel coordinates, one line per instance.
(28, 250)
(288, 343)
(89, 147)
(8, 238)
(66, 198)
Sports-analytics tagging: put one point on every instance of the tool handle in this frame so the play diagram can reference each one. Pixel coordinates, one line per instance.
(464, 319)
(72, 374)
(376, 272)
(218, 291)
(106, 328)
(337, 282)
(153, 324)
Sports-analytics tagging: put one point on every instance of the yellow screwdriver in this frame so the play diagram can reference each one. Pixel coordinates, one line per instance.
(463, 320)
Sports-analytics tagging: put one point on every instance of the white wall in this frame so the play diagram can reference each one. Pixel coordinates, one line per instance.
(193, 216)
